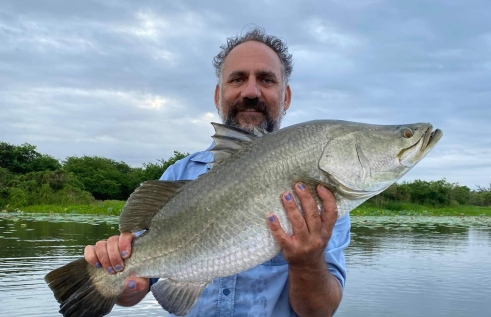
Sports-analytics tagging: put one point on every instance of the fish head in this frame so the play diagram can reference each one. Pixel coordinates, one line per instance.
(364, 159)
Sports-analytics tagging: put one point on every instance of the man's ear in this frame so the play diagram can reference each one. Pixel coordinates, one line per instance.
(288, 97)
(217, 97)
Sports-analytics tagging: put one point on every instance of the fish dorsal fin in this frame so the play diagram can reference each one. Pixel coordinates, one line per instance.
(177, 297)
(230, 140)
(260, 131)
(145, 202)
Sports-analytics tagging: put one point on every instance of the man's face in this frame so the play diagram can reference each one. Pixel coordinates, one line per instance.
(251, 93)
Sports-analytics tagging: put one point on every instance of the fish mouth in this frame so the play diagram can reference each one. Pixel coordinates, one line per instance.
(415, 153)
(433, 139)
(430, 138)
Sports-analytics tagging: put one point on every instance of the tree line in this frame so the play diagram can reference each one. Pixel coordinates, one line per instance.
(28, 177)
(434, 193)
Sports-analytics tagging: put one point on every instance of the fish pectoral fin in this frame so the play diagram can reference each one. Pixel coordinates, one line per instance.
(145, 202)
(177, 297)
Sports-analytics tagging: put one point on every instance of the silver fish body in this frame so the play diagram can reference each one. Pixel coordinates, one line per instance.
(216, 225)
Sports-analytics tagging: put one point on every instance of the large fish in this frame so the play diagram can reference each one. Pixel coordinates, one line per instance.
(216, 225)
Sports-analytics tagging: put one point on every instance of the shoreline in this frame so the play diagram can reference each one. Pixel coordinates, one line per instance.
(114, 207)
(410, 209)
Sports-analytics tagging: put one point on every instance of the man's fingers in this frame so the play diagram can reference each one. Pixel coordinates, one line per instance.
(311, 213)
(91, 257)
(299, 226)
(101, 252)
(330, 213)
(109, 254)
(114, 253)
(125, 240)
(136, 284)
(283, 239)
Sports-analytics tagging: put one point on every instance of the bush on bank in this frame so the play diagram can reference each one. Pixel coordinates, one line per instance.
(48, 187)
(433, 193)
(28, 178)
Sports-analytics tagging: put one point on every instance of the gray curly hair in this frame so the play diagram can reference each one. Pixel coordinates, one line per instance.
(256, 34)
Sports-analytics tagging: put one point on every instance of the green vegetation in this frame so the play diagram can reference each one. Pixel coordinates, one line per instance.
(422, 198)
(107, 179)
(435, 193)
(411, 209)
(24, 159)
(48, 187)
(30, 181)
(34, 182)
(107, 207)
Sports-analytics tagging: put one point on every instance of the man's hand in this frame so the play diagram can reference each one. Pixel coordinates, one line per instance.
(313, 290)
(311, 232)
(110, 256)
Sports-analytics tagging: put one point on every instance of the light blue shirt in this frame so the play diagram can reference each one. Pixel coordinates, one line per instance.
(262, 290)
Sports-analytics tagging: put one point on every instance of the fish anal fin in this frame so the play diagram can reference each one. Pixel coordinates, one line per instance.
(145, 202)
(177, 297)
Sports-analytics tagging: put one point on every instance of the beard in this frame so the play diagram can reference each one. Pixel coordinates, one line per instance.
(269, 123)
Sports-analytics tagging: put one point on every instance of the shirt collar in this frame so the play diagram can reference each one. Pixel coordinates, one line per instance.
(204, 156)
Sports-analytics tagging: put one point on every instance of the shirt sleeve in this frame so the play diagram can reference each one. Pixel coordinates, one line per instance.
(168, 174)
(334, 255)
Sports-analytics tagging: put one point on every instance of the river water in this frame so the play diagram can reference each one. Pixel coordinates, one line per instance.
(397, 266)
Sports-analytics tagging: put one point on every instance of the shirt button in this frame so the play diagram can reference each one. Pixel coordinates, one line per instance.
(226, 292)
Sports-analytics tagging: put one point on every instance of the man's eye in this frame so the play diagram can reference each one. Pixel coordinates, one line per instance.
(236, 80)
(268, 80)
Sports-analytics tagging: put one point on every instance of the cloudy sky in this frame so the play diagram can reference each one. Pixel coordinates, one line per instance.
(133, 80)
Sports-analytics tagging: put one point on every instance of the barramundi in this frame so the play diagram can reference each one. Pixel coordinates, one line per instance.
(216, 225)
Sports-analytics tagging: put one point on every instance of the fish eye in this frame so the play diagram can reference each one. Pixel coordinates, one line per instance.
(408, 133)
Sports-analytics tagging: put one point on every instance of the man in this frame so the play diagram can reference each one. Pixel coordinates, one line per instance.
(253, 91)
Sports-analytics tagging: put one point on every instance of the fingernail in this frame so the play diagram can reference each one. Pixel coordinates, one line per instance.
(288, 197)
(301, 186)
(322, 187)
(131, 284)
(98, 265)
(110, 270)
(271, 219)
(118, 267)
(124, 254)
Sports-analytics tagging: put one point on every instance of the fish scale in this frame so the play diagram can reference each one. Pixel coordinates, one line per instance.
(228, 234)
(217, 226)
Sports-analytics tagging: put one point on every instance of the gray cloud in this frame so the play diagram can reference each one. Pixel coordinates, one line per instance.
(133, 80)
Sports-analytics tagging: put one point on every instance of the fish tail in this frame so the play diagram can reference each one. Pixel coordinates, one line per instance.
(83, 290)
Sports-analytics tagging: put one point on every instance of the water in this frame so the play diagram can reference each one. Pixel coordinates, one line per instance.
(32, 245)
(397, 266)
(420, 266)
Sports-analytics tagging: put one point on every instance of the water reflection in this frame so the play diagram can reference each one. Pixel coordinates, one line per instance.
(33, 245)
(397, 266)
(418, 267)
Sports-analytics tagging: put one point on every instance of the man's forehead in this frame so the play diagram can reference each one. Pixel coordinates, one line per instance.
(252, 56)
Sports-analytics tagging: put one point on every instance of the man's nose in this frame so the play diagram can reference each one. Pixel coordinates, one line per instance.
(251, 89)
